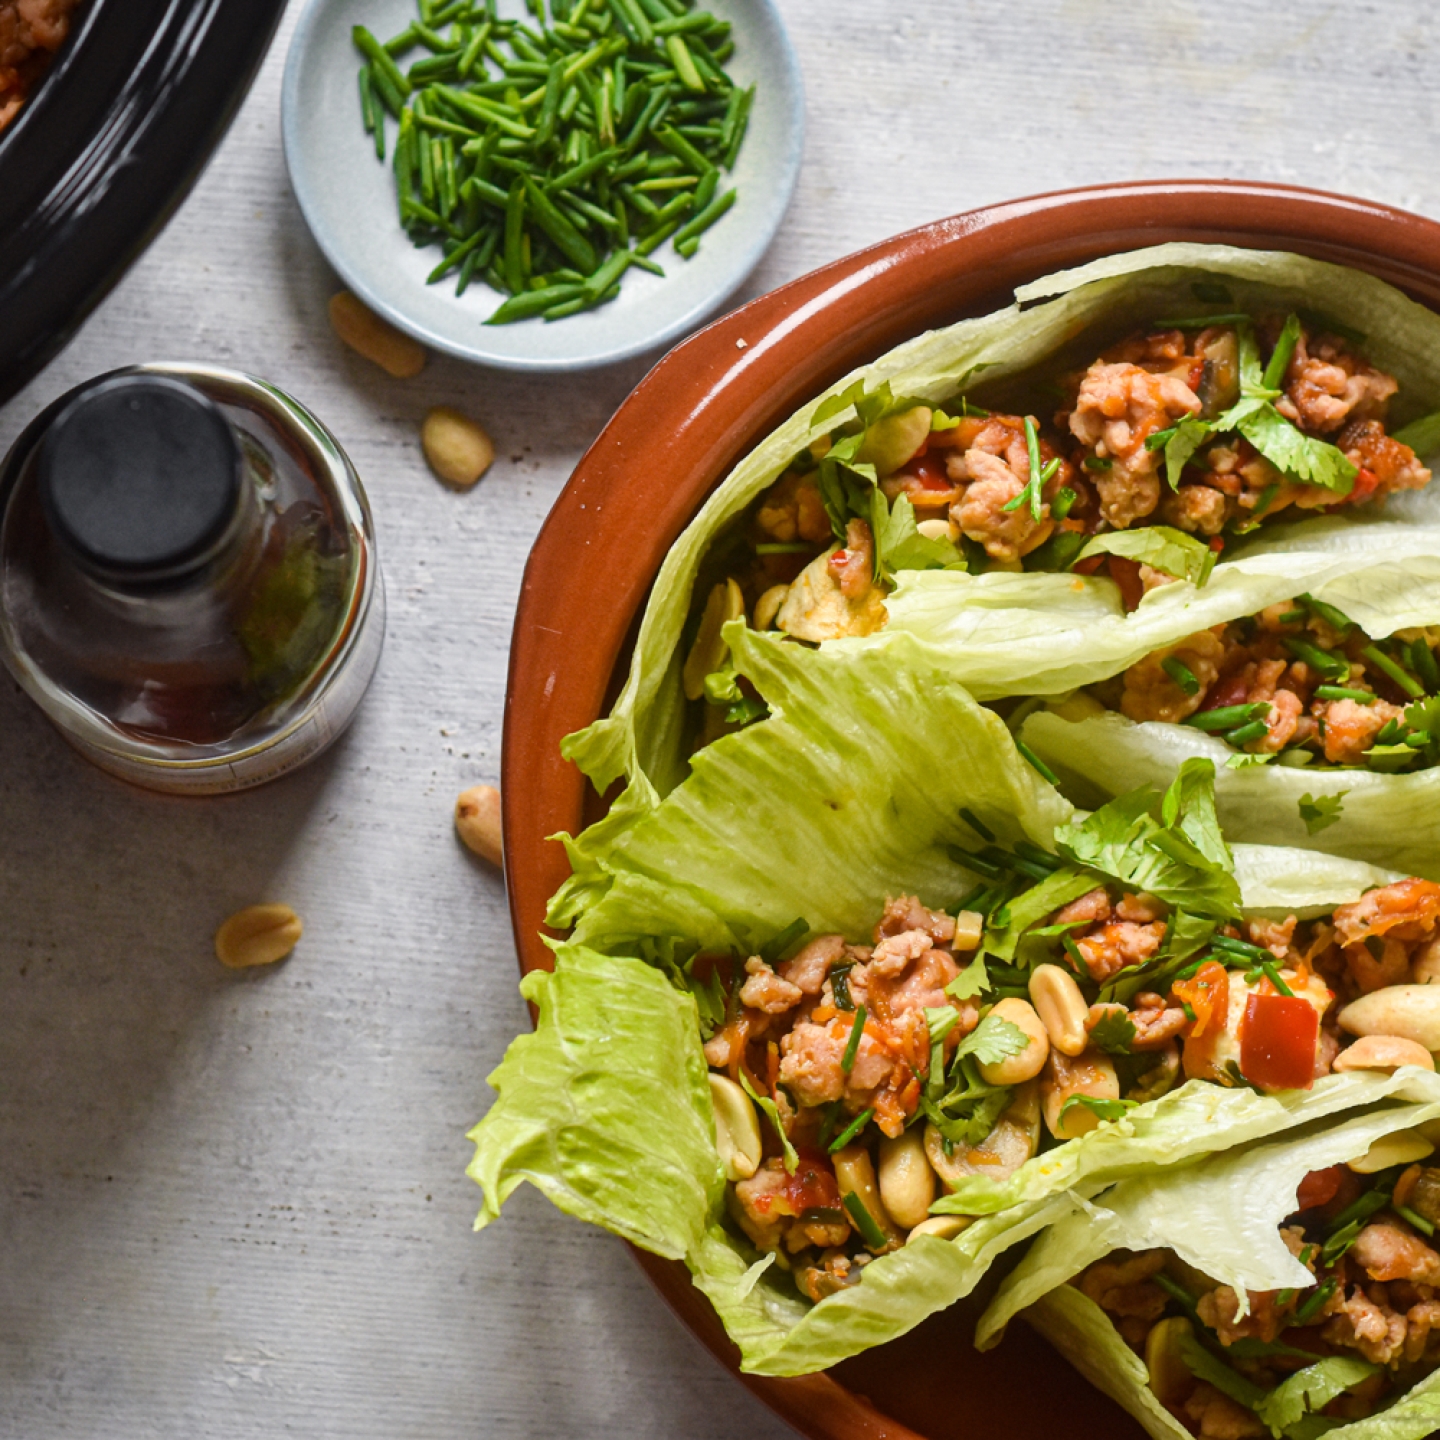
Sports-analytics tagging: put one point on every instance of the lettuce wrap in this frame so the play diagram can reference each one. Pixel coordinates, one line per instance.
(799, 826)
(1225, 1305)
(645, 737)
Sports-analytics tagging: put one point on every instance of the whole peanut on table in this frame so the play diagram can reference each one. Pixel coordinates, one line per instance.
(477, 821)
(257, 935)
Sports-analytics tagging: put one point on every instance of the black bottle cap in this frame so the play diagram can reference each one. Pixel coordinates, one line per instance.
(140, 478)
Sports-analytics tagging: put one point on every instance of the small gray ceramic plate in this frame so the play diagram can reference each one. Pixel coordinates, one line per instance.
(348, 199)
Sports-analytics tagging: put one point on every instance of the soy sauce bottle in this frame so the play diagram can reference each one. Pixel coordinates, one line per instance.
(188, 580)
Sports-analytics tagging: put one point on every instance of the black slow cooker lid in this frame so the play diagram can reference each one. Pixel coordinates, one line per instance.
(105, 148)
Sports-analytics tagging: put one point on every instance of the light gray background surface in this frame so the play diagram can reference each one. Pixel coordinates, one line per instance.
(235, 1206)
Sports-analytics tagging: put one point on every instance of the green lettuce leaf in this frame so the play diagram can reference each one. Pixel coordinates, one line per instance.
(1171, 847)
(1158, 546)
(1385, 820)
(641, 738)
(606, 1108)
(1222, 1217)
(849, 791)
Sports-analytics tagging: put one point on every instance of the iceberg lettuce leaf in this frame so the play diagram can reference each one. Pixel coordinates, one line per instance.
(1388, 820)
(641, 735)
(849, 791)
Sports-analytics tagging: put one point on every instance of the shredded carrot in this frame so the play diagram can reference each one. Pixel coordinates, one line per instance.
(1207, 992)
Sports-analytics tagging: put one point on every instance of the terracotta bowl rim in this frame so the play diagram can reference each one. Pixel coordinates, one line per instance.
(676, 436)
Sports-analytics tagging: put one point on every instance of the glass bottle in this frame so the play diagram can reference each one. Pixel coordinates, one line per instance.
(188, 580)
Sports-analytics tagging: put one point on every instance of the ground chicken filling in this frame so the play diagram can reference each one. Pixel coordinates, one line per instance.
(1366, 1240)
(1016, 491)
(892, 1075)
(1299, 683)
(31, 31)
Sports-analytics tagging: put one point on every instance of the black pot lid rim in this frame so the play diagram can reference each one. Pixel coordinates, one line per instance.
(107, 146)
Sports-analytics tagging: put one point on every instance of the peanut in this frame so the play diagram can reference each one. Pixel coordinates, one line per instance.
(942, 1227)
(477, 821)
(257, 935)
(907, 1183)
(767, 607)
(1027, 1064)
(737, 1131)
(726, 602)
(855, 1175)
(376, 339)
(1091, 1074)
(1410, 1011)
(1400, 1147)
(1382, 1052)
(1059, 1003)
(1168, 1374)
(458, 449)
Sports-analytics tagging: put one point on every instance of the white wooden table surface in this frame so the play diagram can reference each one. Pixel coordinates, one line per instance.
(235, 1206)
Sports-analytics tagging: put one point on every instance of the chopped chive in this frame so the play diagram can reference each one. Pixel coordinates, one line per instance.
(1255, 730)
(693, 229)
(850, 1131)
(1280, 356)
(1382, 662)
(1344, 692)
(1228, 716)
(1292, 617)
(381, 61)
(1272, 971)
(1036, 856)
(779, 547)
(1335, 619)
(1422, 662)
(1313, 1303)
(1201, 322)
(1424, 1226)
(529, 303)
(1331, 666)
(1240, 947)
(847, 1060)
(870, 1232)
(1061, 505)
(977, 825)
(1037, 763)
(978, 863)
(1181, 674)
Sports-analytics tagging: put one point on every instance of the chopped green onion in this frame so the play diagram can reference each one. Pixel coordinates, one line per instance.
(1272, 972)
(1424, 1226)
(864, 1221)
(978, 826)
(1344, 692)
(852, 1046)
(1201, 322)
(1097, 462)
(1382, 662)
(1037, 763)
(1335, 619)
(1422, 662)
(851, 1131)
(1312, 1304)
(1063, 502)
(1181, 674)
(1255, 730)
(1280, 356)
(1228, 716)
(1331, 666)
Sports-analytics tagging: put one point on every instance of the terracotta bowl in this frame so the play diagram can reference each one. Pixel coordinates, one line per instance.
(667, 447)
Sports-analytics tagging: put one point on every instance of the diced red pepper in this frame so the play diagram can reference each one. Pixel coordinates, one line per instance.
(1217, 543)
(929, 469)
(1319, 1187)
(813, 1185)
(1277, 1042)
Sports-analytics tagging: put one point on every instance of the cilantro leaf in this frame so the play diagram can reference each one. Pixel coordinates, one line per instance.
(844, 494)
(1158, 546)
(1102, 1109)
(1178, 855)
(1303, 457)
(1424, 715)
(899, 545)
(1029, 908)
(1114, 1033)
(1310, 1390)
(1188, 436)
(972, 1127)
(993, 1040)
(1320, 814)
(941, 1020)
(969, 983)
(1245, 760)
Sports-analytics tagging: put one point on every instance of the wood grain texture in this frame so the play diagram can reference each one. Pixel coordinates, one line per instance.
(234, 1206)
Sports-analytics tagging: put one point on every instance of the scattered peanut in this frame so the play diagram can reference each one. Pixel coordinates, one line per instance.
(855, 1175)
(1400, 1147)
(1027, 1064)
(893, 439)
(1091, 1074)
(376, 339)
(458, 449)
(726, 602)
(477, 821)
(1383, 1052)
(257, 935)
